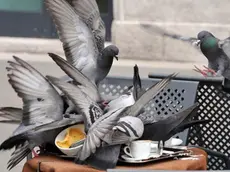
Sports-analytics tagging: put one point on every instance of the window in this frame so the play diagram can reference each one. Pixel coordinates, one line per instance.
(106, 10)
(34, 6)
(29, 18)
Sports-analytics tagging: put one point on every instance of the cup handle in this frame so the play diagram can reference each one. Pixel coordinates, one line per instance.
(127, 151)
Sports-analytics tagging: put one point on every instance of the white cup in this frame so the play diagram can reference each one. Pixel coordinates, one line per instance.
(156, 150)
(140, 149)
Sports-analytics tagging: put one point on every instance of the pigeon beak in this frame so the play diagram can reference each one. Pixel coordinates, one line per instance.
(197, 43)
(116, 58)
(105, 103)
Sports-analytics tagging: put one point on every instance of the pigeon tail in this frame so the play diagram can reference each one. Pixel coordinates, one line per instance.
(18, 155)
(193, 112)
(137, 87)
(13, 141)
(105, 157)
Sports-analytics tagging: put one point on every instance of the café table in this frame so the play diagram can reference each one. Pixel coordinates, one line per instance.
(198, 161)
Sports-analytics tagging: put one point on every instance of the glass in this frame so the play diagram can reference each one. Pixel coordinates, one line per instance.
(34, 6)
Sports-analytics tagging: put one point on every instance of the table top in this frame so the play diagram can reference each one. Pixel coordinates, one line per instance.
(197, 162)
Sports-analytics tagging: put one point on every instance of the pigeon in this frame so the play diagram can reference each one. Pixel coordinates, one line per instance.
(154, 126)
(102, 152)
(215, 50)
(108, 119)
(87, 85)
(126, 130)
(104, 158)
(130, 127)
(82, 33)
(89, 89)
(126, 97)
(107, 157)
(42, 111)
(11, 115)
(97, 129)
(167, 126)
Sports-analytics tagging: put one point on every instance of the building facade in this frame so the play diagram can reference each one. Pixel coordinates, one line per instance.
(29, 18)
(123, 18)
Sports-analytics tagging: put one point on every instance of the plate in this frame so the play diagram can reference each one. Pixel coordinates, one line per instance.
(166, 155)
(130, 159)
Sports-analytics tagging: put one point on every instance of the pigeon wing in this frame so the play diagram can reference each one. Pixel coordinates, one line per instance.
(225, 45)
(98, 131)
(148, 95)
(89, 12)
(78, 40)
(41, 102)
(90, 110)
(89, 87)
(155, 29)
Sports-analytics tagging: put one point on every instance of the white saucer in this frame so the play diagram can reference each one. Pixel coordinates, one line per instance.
(130, 159)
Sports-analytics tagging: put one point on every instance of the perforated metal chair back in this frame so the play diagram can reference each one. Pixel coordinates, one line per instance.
(177, 96)
(214, 104)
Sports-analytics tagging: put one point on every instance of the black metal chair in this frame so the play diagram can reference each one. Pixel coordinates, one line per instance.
(214, 104)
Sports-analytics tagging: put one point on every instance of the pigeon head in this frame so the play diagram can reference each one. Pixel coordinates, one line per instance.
(207, 40)
(132, 126)
(204, 35)
(111, 51)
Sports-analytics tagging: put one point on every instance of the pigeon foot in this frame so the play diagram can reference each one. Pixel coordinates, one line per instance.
(36, 151)
(207, 72)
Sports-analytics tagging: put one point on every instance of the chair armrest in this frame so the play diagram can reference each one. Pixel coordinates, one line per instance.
(216, 154)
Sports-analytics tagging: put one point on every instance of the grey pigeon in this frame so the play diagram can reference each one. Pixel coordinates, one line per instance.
(105, 157)
(130, 127)
(106, 121)
(82, 32)
(127, 129)
(124, 99)
(87, 103)
(11, 115)
(167, 126)
(102, 153)
(88, 88)
(97, 129)
(215, 50)
(42, 111)
(80, 79)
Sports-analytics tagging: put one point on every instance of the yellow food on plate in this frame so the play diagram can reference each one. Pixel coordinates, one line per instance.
(72, 136)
